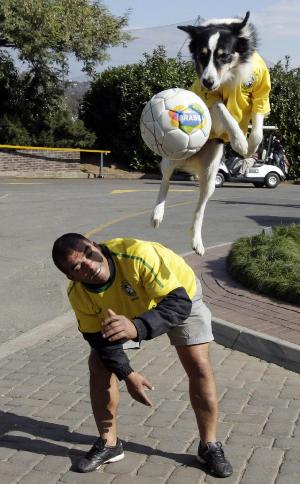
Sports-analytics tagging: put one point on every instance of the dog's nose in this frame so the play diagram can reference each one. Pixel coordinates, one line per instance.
(208, 83)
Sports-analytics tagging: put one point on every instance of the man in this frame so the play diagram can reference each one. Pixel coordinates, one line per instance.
(247, 163)
(127, 289)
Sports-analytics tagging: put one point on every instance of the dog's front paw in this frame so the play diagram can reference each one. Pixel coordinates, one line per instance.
(239, 143)
(198, 246)
(157, 216)
(254, 141)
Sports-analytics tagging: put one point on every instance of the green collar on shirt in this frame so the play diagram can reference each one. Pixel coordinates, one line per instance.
(112, 269)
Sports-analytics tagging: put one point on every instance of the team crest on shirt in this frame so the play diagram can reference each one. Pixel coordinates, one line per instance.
(127, 288)
(249, 83)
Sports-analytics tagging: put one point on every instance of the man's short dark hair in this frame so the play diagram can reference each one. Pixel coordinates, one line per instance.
(63, 246)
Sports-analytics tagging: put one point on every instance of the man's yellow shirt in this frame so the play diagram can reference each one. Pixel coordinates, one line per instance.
(145, 272)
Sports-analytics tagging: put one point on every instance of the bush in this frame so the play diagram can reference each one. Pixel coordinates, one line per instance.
(12, 132)
(269, 264)
(113, 106)
(285, 111)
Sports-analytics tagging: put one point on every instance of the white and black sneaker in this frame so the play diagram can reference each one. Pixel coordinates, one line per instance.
(98, 455)
(213, 457)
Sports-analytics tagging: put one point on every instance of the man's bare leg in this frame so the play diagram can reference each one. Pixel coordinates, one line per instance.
(203, 395)
(105, 397)
(104, 393)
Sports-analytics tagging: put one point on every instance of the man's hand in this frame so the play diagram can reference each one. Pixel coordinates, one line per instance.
(135, 385)
(117, 326)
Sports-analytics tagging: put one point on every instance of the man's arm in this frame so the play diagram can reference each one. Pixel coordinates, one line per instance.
(169, 312)
(111, 354)
(115, 360)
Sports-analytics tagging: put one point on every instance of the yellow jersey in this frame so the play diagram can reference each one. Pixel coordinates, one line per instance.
(144, 273)
(244, 99)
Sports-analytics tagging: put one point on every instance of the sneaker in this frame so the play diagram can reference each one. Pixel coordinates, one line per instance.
(212, 455)
(98, 455)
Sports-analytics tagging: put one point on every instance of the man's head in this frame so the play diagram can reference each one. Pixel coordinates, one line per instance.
(80, 259)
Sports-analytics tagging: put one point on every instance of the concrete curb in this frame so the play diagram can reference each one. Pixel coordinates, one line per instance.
(254, 343)
(39, 334)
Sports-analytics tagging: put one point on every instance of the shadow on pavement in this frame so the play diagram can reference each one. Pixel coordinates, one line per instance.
(12, 425)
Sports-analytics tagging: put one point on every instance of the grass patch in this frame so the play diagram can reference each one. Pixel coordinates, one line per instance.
(269, 264)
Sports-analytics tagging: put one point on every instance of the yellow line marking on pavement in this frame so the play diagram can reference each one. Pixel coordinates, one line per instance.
(134, 190)
(99, 229)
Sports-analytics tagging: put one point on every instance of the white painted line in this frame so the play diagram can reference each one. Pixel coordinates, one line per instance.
(207, 248)
(4, 196)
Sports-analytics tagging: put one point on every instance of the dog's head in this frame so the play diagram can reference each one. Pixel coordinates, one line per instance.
(221, 50)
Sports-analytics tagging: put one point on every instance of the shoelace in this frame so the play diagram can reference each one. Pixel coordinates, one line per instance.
(219, 452)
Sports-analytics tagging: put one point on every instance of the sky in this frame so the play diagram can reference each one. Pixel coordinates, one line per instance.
(277, 23)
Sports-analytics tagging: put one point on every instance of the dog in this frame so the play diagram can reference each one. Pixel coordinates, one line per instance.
(234, 82)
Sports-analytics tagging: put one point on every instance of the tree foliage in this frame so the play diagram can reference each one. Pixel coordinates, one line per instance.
(113, 106)
(285, 110)
(42, 34)
(46, 31)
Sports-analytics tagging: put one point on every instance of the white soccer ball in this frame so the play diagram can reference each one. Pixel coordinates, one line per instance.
(175, 124)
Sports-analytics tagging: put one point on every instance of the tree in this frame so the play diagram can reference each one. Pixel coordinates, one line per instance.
(285, 110)
(113, 106)
(46, 31)
(42, 34)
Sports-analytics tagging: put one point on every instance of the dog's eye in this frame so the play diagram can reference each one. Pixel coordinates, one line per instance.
(225, 56)
(202, 55)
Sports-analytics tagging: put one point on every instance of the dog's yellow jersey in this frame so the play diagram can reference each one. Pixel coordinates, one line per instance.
(243, 100)
(144, 274)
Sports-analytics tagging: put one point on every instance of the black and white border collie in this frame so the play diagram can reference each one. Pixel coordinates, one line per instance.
(228, 69)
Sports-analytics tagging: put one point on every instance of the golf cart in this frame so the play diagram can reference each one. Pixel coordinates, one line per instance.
(268, 170)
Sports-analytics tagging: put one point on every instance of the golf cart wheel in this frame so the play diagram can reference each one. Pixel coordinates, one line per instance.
(219, 180)
(272, 180)
(258, 184)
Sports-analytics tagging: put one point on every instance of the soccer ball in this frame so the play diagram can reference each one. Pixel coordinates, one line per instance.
(175, 124)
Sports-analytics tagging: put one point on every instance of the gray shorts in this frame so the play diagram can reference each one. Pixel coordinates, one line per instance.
(196, 329)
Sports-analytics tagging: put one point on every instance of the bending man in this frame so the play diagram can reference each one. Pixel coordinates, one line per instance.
(128, 289)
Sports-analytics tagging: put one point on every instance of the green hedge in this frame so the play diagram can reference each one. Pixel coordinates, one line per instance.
(269, 264)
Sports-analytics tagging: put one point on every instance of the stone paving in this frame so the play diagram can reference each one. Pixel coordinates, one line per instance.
(46, 421)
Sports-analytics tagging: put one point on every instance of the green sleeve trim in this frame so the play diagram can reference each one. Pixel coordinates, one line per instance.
(140, 259)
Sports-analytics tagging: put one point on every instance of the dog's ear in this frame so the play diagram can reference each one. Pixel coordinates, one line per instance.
(190, 29)
(246, 36)
(238, 27)
(245, 21)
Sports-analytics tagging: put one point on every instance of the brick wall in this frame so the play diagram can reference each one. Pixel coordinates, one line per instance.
(39, 163)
